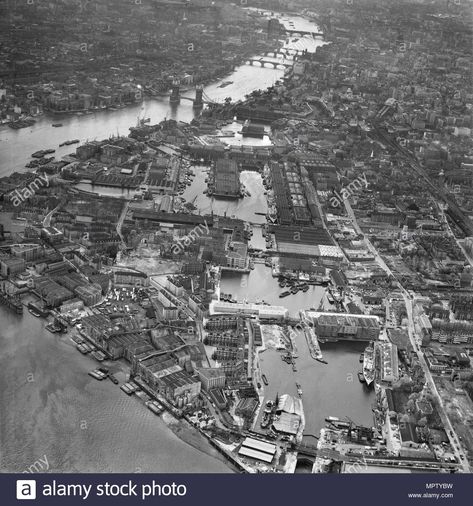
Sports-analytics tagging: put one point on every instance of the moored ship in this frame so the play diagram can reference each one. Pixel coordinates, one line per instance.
(368, 364)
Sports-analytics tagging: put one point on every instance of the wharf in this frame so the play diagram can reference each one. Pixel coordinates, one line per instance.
(11, 301)
(174, 411)
(94, 343)
(313, 343)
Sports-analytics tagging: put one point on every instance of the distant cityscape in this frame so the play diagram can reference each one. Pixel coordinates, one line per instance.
(218, 267)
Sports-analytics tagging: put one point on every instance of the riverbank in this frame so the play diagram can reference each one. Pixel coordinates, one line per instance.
(81, 424)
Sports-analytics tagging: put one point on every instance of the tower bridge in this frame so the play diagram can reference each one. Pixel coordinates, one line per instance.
(200, 99)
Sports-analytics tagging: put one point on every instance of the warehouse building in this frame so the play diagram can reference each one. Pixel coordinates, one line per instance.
(258, 450)
(227, 179)
(343, 326)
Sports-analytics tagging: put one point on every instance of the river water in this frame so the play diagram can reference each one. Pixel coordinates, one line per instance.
(17, 145)
(50, 408)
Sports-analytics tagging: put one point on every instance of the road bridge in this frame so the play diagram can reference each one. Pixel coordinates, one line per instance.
(301, 33)
(263, 61)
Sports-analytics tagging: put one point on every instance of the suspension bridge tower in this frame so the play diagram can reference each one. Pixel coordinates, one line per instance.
(175, 97)
(199, 100)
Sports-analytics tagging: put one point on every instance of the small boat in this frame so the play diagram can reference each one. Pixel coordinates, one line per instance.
(57, 125)
(98, 355)
(299, 389)
(67, 143)
(265, 379)
(34, 312)
(126, 389)
(284, 294)
(39, 154)
(305, 288)
(52, 328)
(362, 357)
(156, 408)
(225, 84)
(98, 375)
(113, 379)
(361, 377)
(294, 290)
(332, 419)
(84, 350)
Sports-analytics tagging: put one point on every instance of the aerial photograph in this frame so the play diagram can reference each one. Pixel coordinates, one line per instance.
(236, 237)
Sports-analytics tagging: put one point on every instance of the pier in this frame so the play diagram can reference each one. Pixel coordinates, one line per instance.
(312, 342)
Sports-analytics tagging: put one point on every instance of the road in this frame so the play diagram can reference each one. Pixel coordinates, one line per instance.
(47, 218)
(121, 220)
(372, 249)
(452, 436)
(450, 231)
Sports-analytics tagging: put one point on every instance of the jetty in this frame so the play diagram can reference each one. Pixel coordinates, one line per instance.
(313, 343)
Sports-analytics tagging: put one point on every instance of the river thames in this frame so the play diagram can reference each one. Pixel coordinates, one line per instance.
(50, 406)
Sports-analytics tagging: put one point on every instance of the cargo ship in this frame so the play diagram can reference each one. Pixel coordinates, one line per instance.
(368, 364)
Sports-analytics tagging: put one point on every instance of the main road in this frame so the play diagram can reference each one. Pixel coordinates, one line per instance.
(452, 436)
